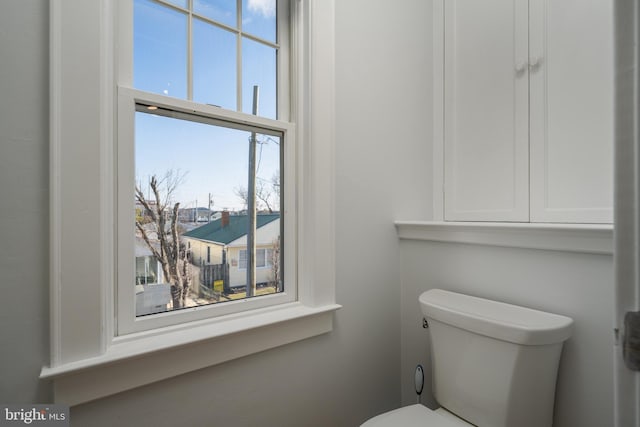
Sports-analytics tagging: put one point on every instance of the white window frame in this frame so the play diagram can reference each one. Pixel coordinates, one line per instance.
(88, 359)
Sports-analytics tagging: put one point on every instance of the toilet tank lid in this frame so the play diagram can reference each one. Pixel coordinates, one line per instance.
(495, 319)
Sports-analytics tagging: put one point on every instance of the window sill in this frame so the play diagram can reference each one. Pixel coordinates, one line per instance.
(582, 238)
(142, 358)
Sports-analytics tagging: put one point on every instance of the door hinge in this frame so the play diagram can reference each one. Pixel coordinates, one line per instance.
(631, 340)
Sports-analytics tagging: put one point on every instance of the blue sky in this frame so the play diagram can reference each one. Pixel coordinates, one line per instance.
(213, 159)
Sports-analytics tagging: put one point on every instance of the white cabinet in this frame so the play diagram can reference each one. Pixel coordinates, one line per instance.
(486, 107)
(571, 111)
(527, 109)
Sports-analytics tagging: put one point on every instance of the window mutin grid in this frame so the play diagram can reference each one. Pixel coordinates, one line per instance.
(203, 49)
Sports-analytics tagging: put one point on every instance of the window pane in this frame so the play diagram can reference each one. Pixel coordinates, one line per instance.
(242, 259)
(214, 65)
(259, 258)
(259, 68)
(191, 182)
(224, 11)
(259, 18)
(160, 49)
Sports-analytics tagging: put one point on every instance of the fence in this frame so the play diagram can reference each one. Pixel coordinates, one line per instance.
(210, 274)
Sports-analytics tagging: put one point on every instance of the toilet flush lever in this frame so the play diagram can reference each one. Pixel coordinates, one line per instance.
(419, 380)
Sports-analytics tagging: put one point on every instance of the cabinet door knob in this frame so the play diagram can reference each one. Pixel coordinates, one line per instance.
(521, 67)
(535, 63)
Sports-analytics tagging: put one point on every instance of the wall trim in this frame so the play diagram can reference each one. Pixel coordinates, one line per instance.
(153, 356)
(581, 238)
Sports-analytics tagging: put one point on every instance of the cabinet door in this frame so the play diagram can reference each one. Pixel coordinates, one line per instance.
(571, 78)
(486, 110)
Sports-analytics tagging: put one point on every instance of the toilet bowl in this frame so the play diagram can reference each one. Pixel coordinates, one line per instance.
(416, 416)
(493, 364)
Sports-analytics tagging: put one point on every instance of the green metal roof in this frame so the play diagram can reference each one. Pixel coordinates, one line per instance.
(237, 227)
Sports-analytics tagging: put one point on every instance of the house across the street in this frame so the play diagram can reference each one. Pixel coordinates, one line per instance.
(224, 241)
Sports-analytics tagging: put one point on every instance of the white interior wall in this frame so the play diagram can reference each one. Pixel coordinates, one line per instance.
(24, 229)
(383, 166)
(577, 285)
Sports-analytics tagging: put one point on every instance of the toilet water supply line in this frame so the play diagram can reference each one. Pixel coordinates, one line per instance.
(418, 378)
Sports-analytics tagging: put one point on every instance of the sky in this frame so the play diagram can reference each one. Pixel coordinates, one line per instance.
(212, 160)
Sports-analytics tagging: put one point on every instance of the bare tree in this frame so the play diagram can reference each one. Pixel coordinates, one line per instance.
(264, 196)
(166, 247)
(275, 184)
(275, 264)
(267, 193)
(243, 194)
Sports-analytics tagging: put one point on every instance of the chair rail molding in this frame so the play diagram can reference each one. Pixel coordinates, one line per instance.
(581, 238)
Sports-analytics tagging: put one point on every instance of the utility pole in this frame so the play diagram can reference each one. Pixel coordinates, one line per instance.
(251, 206)
(209, 213)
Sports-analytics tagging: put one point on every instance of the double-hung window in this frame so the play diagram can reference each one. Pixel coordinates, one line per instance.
(206, 148)
(191, 185)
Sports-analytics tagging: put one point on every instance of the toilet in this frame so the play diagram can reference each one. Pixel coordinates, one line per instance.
(493, 364)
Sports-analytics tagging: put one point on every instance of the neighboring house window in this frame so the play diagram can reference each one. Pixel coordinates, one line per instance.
(263, 258)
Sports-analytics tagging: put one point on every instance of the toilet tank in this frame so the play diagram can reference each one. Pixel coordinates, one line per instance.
(493, 364)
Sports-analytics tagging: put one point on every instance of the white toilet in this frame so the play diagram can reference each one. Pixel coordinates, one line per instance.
(493, 364)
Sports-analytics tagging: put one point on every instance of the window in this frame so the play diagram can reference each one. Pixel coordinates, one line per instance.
(96, 130)
(180, 160)
(242, 260)
(264, 258)
(194, 158)
(212, 52)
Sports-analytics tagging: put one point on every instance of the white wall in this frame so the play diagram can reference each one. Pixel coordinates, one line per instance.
(383, 124)
(577, 285)
(338, 379)
(24, 168)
